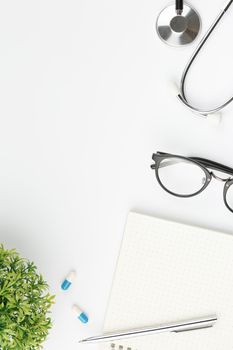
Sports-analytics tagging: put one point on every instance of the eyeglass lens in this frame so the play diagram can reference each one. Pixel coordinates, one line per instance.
(229, 197)
(182, 177)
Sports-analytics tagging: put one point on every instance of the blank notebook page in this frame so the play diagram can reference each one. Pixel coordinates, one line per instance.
(169, 272)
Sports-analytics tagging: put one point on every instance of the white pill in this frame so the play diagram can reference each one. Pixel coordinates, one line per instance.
(81, 315)
(68, 280)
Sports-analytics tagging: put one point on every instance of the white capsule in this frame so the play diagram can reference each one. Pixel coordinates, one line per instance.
(80, 314)
(68, 280)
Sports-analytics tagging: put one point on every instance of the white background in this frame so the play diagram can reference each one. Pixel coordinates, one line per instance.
(84, 102)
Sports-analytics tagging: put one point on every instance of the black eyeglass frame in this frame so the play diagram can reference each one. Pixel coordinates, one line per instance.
(204, 164)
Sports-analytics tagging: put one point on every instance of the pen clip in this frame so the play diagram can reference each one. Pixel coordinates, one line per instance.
(193, 329)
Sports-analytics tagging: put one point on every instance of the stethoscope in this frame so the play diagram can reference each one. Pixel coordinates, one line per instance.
(192, 22)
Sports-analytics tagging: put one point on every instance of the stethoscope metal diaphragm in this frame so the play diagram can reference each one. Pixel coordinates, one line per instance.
(178, 29)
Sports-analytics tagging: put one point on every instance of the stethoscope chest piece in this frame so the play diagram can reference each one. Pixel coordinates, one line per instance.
(178, 27)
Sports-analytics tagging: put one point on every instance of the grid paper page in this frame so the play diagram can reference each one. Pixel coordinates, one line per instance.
(170, 272)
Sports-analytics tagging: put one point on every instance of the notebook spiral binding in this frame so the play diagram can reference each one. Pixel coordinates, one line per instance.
(119, 347)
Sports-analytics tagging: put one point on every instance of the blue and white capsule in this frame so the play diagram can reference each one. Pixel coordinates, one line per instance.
(68, 280)
(80, 314)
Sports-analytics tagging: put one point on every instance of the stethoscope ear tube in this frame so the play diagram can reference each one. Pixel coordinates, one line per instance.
(179, 6)
(228, 5)
(182, 95)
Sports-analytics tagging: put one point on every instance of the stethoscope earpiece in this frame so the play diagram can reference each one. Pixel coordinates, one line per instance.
(214, 119)
(173, 88)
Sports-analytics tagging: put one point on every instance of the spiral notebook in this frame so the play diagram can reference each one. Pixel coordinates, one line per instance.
(169, 272)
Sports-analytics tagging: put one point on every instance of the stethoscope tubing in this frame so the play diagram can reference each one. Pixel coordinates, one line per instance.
(182, 95)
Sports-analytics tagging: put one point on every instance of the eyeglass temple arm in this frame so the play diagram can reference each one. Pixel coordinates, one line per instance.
(206, 162)
(213, 165)
(166, 163)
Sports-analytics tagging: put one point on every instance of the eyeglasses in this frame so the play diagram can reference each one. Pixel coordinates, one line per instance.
(188, 176)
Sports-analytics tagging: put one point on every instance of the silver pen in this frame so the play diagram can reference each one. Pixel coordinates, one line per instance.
(191, 325)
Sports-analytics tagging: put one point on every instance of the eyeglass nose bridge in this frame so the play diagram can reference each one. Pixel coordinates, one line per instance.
(220, 178)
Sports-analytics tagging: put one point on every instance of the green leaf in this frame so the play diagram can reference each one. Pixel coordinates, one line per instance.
(24, 303)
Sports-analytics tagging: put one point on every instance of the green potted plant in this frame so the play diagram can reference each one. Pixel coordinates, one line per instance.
(24, 303)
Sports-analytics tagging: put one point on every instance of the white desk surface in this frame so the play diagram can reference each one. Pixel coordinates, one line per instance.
(84, 102)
